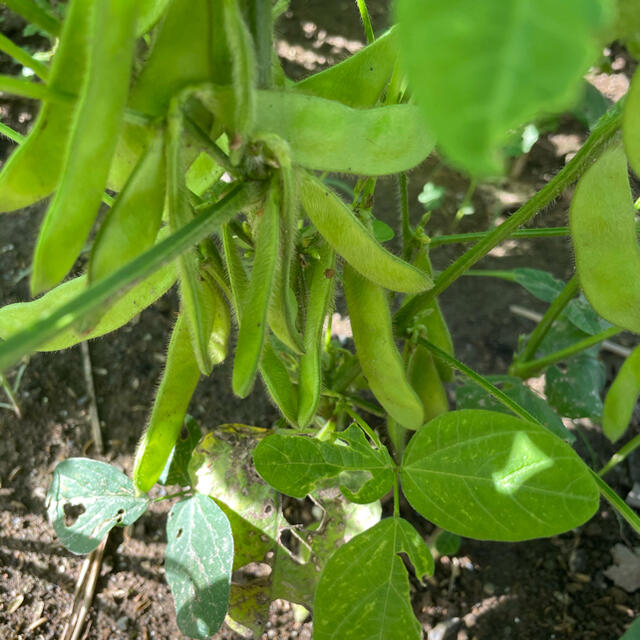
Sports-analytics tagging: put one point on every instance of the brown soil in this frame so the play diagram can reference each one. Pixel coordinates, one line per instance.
(539, 590)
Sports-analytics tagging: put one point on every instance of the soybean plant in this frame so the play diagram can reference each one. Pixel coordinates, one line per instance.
(218, 163)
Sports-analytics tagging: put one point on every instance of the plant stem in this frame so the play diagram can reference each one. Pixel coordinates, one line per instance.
(528, 369)
(366, 20)
(499, 395)
(115, 285)
(602, 133)
(12, 134)
(31, 90)
(617, 502)
(396, 496)
(546, 232)
(11, 395)
(621, 454)
(261, 27)
(31, 12)
(24, 58)
(492, 273)
(407, 232)
(179, 494)
(538, 334)
(212, 148)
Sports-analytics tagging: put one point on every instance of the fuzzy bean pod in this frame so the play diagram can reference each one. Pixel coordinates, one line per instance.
(178, 383)
(622, 397)
(319, 305)
(425, 379)
(131, 225)
(253, 309)
(92, 141)
(33, 170)
(359, 80)
(349, 237)
(602, 223)
(631, 123)
(377, 352)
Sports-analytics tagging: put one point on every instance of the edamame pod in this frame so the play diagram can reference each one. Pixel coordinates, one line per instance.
(196, 302)
(278, 382)
(33, 170)
(349, 237)
(319, 305)
(221, 325)
(243, 68)
(92, 141)
(253, 309)
(379, 358)
(181, 56)
(131, 225)
(622, 397)
(15, 317)
(631, 123)
(425, 379)
(179, 381)
(238, 279)
(602, 223)
(359, 80)
(329, 136)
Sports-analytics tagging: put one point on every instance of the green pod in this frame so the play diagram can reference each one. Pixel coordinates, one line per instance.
(131, 225)
(283, 308)
(631, 123)
(238, 280)
(133, 141)
(622, 397)
(196, 301)
(253, 309)
(425, 379)
(181, 56)
(179, 381)
(33, 170)
(319, 304)
(349, 237)
(278, 382)
(377, 352)
(92, 141)
(15, 317)
(435, 323)
(327, 135)
(243, 68)
(221, 325)
(602, 223)
(359, 80)
(149, 14)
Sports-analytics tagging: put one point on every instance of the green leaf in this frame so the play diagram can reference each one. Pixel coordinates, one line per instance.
(491, 476)
(478, 69)
(472, 396)
(382, 232)
(448, 544)
(176, 470)
(631, 122)
(539, 283)
(575, 393)
(295, 465)
(363, 591)
(87, 499)
(198, 564)
(581, 314)
(633, 632)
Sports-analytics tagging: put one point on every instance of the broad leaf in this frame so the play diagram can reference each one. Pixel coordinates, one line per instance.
(472, 396)
(176, 470)
(87, 498)
(198, 564)
(491, 476)
(295, 465)
(478, 69)
(582, 315)
(363, 591)
(539, 283)
(633, 632)
(575, 391)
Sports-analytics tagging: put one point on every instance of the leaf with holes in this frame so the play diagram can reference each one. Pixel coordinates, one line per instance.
(198, 563)
(492, 476)
(295, 465)
(87, 499)
(363, 591)
(576, 391)
(176, 471)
